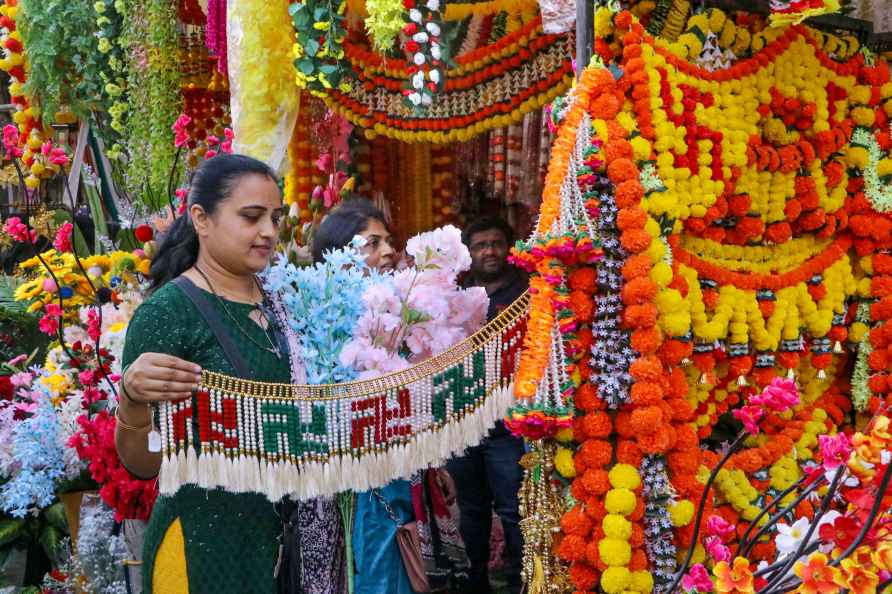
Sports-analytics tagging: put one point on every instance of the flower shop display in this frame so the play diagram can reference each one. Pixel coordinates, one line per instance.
(339, 431)
(738, 235)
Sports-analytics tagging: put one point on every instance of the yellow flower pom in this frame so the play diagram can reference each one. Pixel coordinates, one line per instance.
(640, 148)
(563, 461)
(624, 476)
(661, 274)
(615, 579)
(857, 331)
(642, 581)
(857, 157)
(620, 501)
(564, 435)
(681, 512)
(616, 526)
(615, 552)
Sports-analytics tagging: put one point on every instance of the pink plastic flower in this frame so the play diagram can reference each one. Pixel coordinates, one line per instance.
(180, 130)
(780, 395)
(697, 580)
(11, 141)
(226, 145)
(59, 157)
(749, 415)
(210, 154)
(19, 230)
(716, 549)
(835, 450)
(62, 243)
(718, 526)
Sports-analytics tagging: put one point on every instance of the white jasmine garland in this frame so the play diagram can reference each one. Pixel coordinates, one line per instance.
(419, 59)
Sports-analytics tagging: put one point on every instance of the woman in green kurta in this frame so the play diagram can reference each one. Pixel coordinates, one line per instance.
(201, 540)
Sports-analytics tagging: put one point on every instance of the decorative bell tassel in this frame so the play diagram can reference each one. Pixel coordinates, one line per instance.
(822, 374)
(741, 380)
(837, 347)
(791, 374)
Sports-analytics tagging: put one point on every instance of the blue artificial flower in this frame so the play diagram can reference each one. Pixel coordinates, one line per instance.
(40, 464)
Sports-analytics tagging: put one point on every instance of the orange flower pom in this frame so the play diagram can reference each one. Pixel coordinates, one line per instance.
(636, 539)
(583, 307)
(681, 409)
(673, 351)
(628, 193)
(604, 106)
(593, 556)
(646, 393)
(639, 290)
(635, 240)
(587, 398)
(583, 279)
(617, 149)
(576, 522)
(595, 481)
(577, 490)
(656, 443)
(640, 316)
(584, 338)
(778, 232)
(647, 369)
(583, 575)
(593, 453)
(628, 452)
(646, 420)
(637, 266)
(638, 561)
(682, 462)
(571, 548)
(620, 171)
(597, 424)
(622, 423)
(595, 508)
(646, 340)
(632, 217)
(638, 512)
(686, 438)
(678, 383)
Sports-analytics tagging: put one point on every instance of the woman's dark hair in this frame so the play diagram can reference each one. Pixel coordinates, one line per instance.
(344, 223)
(211, 184)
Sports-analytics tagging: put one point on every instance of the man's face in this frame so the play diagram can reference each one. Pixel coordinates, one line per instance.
(489, 253)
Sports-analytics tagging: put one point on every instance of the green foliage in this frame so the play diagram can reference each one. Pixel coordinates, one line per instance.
(62, 51)
(320, 32)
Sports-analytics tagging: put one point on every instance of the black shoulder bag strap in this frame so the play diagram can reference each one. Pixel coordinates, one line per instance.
(201, 302)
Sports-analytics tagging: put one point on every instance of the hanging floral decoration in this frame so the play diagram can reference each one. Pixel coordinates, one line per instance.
(739, 227)
(793, 12)
(318, 52)
(109, 24)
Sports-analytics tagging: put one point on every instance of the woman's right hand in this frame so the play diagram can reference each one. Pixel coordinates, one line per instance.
(154, 377)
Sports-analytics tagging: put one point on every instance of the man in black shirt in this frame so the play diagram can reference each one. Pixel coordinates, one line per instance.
(489, 475)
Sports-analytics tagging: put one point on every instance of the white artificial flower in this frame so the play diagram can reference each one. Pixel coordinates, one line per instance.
(426, 99)
(433, 29)
(435, 51)
(789, 538)
(415, 15)
(420, 37)
(432, 4)
(434, 75)
(418, 59)
(415, 98)
(418, 80)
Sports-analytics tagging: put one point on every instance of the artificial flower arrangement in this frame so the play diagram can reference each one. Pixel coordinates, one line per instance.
(353, 322)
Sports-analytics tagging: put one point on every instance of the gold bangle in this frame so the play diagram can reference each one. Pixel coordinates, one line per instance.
(144, 429)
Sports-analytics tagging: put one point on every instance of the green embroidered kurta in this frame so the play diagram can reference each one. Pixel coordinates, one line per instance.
(230, 539)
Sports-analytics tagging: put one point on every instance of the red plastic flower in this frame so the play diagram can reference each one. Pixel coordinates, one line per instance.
(835, 450)
(62, 242)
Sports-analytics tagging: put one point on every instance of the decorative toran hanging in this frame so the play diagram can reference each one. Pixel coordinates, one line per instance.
(305, 441)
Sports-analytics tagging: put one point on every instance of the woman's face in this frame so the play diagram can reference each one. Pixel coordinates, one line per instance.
(378, 249)
(241, 234)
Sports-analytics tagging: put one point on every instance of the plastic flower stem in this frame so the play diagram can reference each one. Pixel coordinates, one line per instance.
(173, 170)
(97, 305)
(701, 506)
(874, 511)
(762, 513)
(777, 516)
(21, 176)
(771, 568)
(781, 574)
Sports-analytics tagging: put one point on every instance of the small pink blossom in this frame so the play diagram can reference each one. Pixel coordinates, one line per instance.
(180, 130)
(697, 580)
(716, 549)
(11, 141)
(21, 380)
(210, 154)
(87, 377)
(324, 162)
(16, 360)
(212, 140)
(49, 325)
(59, 157)
(780, 395)
(718, 526)
(19, 230)
(53, 309)
(835, 450)
(94, 329)
(749, 415)
(62, 243)
(226, 145)
(46, 147)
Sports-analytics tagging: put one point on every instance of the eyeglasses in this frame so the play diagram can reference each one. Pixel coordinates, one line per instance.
(495, 244)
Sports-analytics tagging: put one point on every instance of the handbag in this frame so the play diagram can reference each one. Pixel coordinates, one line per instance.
(409, 546)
